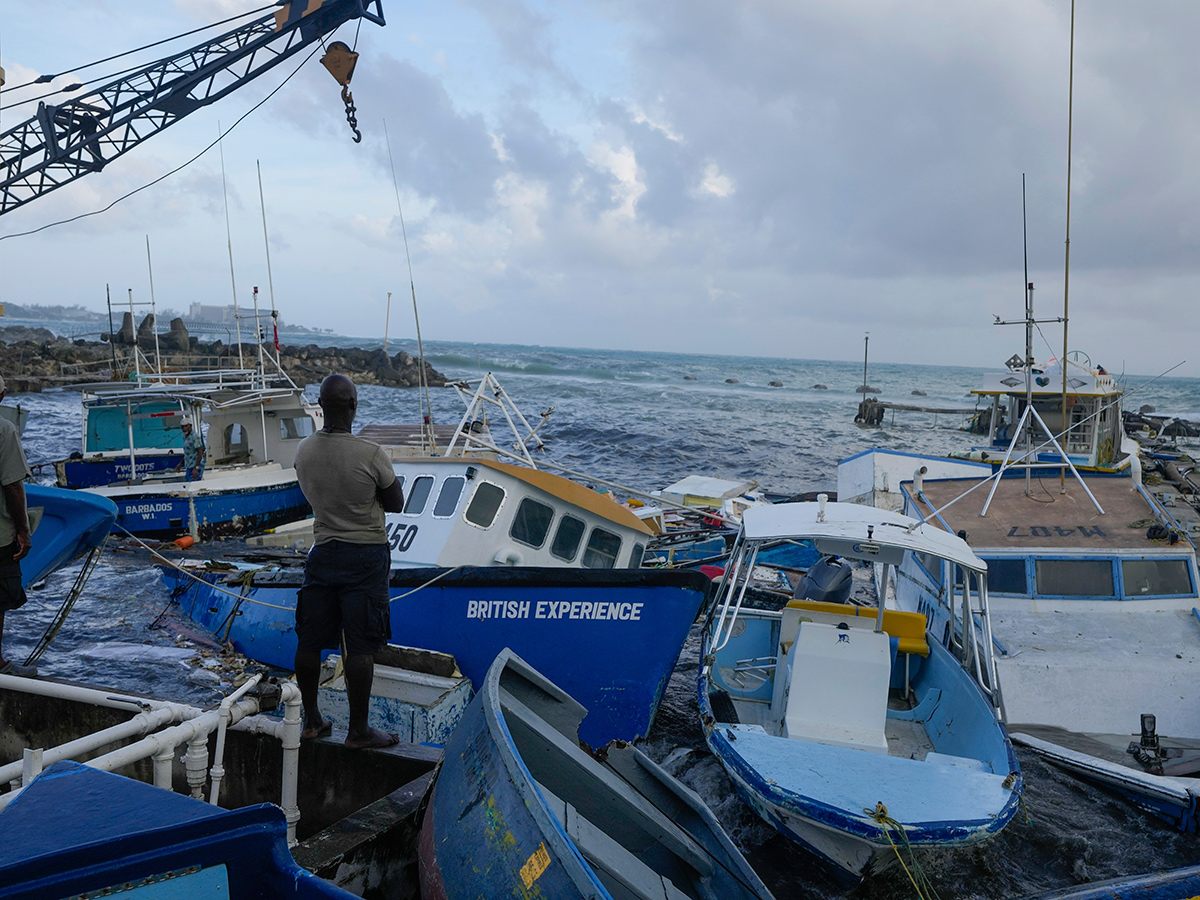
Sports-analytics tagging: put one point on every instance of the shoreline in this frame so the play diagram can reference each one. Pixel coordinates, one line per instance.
(33, 359)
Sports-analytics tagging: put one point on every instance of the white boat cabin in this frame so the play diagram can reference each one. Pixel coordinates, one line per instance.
(484, 513)
(265, 426)
(1093, 411)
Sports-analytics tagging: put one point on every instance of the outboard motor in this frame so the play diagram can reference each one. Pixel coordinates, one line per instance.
(828, 580)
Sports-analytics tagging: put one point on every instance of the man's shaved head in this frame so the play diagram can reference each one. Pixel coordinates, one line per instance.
(338, 391)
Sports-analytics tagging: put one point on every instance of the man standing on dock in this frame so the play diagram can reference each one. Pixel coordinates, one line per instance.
(350, 484)
(14, 530)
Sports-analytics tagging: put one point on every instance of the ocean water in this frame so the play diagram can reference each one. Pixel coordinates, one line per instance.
(645, 420)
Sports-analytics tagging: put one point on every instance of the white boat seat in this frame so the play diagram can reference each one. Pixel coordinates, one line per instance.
(838, 687)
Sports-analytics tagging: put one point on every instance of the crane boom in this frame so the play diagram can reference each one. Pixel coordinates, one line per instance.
(65, 142)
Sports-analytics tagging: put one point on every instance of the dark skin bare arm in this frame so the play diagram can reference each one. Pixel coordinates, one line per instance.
(14, 500)
(392, 497)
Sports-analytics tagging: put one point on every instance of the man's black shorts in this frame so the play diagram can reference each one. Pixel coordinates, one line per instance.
(345, 590)
(12, 595)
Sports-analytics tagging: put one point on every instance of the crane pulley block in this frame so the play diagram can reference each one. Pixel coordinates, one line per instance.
(340, 60)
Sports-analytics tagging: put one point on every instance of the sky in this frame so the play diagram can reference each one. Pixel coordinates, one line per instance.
(761, 177)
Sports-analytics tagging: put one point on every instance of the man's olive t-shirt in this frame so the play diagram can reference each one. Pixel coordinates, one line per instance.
(341, 476)
(13, 469)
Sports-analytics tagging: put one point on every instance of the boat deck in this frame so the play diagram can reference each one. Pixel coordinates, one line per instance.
(1046, 518)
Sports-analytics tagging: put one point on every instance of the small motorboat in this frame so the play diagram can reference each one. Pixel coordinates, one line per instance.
(520, 809)
(843, 725)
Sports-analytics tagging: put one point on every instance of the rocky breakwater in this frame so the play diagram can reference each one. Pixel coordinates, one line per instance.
(32, 359)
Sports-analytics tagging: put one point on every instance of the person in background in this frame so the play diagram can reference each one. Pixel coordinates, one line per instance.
(193, 454)
(15, 540)
(350, 484)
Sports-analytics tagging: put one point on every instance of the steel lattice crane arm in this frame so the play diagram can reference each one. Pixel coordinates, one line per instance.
(65, 142)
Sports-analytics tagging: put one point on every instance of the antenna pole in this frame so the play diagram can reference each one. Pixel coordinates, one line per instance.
(386, 321)
(237, 321)
(1066, 425)
(427, 432)
(1028, 341)
(270, 282)
(153, 310)
(866, 341)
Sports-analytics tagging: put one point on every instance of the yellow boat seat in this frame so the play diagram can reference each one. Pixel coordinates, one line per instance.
(907, 627)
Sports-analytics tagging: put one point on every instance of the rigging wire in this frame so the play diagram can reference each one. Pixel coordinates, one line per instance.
(428, 430)
(166, 175)
(44, 79)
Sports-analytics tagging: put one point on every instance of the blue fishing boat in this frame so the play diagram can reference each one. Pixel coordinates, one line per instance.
(65, 526)
(519, 809)
(129, 434)
(254, 424)
(79, 832)
(845, 726)
(610, 637)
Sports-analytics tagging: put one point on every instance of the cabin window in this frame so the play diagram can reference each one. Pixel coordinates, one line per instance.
(237, 440)
(1074, 578)
(418, 496)
(932, 564)
(447, 500)
(531, 524)
(602, 549)
(1007, 576)
(1156, 577)
(567, 538)
(635, 558)
(293, 429)
(485, 504)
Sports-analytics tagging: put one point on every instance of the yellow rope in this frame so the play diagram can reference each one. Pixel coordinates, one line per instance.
(919, 880)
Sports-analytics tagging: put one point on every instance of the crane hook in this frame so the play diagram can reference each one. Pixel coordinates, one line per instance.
(340, 60)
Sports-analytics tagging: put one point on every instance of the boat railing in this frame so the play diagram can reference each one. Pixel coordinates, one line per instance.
(736, 583)
(181, 724)
(971, 632)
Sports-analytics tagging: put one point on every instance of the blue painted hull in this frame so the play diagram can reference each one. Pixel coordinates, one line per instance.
(828, 811)
(610, 638)
(229, 513)
(513, 776)
(71, 525)
(88, 473)
(76, 831)
(1176, 884)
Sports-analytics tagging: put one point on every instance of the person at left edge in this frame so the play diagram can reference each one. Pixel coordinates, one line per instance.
(15, 540)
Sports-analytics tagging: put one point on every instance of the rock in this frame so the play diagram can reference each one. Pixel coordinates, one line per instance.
(1146, 408)
(732, 381)
(689, 377)
(919, 394)
(176, 338)
(820, 387)
(774, 384)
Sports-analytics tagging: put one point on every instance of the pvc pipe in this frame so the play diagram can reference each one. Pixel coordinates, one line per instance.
(218, 770)
(1135, 470)
(31, 765)
(196, 765)
(919, 480)
(142, 723)
(82, 694)
(290, 789)
(170, 738)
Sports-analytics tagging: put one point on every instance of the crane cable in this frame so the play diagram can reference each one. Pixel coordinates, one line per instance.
(220, 137)
(45, 79)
